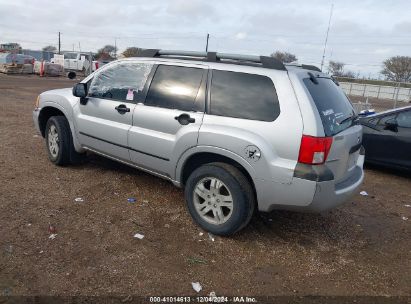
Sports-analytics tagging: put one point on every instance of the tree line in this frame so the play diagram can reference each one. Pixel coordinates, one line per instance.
(397, 68)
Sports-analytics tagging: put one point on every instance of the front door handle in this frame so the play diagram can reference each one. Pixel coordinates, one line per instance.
(122, 109)
(184, 119)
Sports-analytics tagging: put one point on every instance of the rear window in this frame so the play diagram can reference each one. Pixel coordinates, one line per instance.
(243, 95)
(332, 104)
(70, 56)
(175, 87)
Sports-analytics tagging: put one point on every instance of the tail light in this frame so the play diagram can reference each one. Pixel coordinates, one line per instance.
(314, 150)
(96, 65)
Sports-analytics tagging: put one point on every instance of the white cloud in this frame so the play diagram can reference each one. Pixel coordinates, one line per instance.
(363, 33)
(240, 35)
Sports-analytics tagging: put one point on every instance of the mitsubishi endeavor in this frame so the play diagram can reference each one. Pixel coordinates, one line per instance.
(239, 133)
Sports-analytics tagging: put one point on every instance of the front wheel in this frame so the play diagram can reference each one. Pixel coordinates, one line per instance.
(59, 141)
(219, 198)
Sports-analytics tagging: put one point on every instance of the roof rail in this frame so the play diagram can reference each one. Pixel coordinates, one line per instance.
(265, 61)
(303, 66)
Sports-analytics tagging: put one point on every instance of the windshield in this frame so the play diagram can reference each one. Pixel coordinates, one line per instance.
(333, 105)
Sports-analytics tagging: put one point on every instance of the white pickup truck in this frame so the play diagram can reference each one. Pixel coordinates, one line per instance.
(75, 62)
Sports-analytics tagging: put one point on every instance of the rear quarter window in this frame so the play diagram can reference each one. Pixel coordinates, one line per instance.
(243, 95)
(332, 104)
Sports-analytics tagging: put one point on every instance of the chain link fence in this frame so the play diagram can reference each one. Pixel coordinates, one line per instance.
(377, 97)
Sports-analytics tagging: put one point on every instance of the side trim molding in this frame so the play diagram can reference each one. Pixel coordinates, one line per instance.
(125, 147)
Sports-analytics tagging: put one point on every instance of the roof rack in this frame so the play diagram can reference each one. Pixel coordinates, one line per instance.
(265, 61)
(304, 66)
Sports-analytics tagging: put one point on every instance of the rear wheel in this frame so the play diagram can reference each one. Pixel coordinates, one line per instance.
(219, 198)
(59, 142)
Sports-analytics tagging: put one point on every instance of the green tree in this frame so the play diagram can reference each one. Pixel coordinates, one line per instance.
(107, 52)
(284, 57)
(397, 68)
(49, 48)
(336, 68)
(132, 51)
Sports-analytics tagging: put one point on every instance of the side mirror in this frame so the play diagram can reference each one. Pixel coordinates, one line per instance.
(80, 90)
(391, 125)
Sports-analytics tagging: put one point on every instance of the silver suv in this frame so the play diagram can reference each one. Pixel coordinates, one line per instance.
(239, 133)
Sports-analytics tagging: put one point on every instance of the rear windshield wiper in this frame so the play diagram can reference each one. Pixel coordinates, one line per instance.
(312, 78)
(351, 117)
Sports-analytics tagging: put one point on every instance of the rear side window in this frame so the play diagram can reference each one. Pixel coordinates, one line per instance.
(332, 104)
(123, 81)
(243, 95)
(174, 87)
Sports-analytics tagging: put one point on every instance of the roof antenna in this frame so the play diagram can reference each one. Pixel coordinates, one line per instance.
(326, 37)
(208, 37)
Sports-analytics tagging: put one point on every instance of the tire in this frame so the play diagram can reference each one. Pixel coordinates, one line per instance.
(59, 142)
(208, 191)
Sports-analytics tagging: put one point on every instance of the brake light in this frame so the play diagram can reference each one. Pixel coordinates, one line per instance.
(314, 150)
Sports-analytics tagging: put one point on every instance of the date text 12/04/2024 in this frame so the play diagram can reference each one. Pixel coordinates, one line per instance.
(203, 299)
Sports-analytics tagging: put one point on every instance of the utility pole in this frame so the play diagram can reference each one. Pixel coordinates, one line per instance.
(59, 44)
(79, 47)
(326, 37)
(208, 37)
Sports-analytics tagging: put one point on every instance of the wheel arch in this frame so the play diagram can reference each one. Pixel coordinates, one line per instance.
(196, 157)
(50, 109)
(45, 113)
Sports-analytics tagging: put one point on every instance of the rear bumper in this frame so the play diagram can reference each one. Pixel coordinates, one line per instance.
(329, 195)
(316, 194)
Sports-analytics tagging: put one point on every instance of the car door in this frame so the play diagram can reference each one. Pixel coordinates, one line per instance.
(375, 138)
(168, 122)
(403, 138)
(386, 141)
(67, 59)
(106, 117)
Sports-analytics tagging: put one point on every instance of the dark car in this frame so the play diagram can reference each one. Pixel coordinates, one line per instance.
(387, 138)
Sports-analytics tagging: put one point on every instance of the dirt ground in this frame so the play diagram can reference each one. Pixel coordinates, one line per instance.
(361, 248)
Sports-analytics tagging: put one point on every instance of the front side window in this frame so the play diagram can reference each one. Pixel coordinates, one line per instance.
(242, 95)
(404, 119)
(174, 87)
(123, 81)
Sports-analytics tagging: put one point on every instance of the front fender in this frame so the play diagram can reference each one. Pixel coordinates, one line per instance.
(69, 115)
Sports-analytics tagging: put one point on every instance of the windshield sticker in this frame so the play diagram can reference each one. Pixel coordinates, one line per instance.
(328, 112)
(130, 94)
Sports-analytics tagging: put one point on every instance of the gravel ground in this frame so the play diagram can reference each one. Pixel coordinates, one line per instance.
(361, 248)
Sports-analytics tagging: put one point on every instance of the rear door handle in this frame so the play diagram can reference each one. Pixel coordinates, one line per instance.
(122, 109)
(184, 119)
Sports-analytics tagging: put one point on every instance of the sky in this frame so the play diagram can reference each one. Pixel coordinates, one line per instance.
(362, 34)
